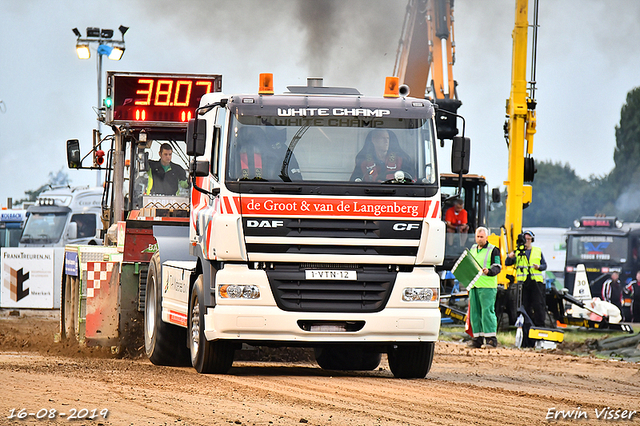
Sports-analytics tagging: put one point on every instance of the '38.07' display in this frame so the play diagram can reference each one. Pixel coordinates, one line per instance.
(151, 99)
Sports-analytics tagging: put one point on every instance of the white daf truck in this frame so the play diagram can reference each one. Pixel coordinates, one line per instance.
(315, 221)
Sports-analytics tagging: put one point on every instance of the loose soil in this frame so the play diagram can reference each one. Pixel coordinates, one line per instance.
(503, 386)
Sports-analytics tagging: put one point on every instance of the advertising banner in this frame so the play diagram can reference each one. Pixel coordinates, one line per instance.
(27, 277)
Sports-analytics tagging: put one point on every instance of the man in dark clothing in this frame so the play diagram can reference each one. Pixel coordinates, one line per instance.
(627, 299)
(530, 265)
(635, 308)
(612, 290)
(165, 177)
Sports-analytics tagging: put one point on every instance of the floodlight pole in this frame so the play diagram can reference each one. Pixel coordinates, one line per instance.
(99, 60)
(101, 39)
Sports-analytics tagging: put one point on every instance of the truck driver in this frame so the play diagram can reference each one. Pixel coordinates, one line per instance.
(165, 176)
(380, 158)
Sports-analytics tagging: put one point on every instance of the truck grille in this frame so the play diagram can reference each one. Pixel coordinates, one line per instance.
(294, 293)
(350, 237)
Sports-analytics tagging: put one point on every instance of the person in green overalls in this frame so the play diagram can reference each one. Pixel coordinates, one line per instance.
(482, 293)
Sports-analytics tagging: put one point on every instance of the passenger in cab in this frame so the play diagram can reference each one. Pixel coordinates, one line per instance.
(457, 223)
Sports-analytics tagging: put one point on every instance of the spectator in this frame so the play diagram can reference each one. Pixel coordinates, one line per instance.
(612, 290)
(636, 298)
(627, 299)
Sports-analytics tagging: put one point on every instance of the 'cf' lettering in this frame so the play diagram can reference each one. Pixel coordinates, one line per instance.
(405, 226)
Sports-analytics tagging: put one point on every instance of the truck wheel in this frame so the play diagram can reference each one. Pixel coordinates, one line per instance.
(206, 356)
(164, 344)
(351, 357)
(411, 361)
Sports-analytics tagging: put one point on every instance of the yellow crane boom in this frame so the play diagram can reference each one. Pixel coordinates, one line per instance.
(520, 126)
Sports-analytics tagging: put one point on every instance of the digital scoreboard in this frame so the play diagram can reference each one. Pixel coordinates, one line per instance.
(156, 100)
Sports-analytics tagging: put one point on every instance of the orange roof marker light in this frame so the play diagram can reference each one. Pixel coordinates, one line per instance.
(266, 84)
(392, 87)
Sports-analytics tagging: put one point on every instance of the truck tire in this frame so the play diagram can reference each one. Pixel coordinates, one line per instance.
(350, 357)
(411, 361)
(164, 344)
(207, 357)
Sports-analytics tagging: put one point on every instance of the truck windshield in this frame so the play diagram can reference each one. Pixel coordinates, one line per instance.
(595, 248)
(329, 149)
(45, 228)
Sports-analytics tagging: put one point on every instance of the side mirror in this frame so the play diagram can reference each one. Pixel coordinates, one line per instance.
(73, 154)
(460, 155)
(196, 137)
(72, 231)
(446, 115)
(495, 195)
(202, 168)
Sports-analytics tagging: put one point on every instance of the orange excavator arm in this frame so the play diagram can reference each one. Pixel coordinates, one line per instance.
(427, 49)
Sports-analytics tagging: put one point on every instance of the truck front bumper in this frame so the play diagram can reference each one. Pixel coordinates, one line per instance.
(263, 320)
(255, 323)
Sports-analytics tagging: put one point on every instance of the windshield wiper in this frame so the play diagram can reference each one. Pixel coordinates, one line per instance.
(284, 174)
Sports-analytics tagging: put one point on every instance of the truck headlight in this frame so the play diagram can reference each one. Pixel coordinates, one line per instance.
(233, 291)
(420, 294)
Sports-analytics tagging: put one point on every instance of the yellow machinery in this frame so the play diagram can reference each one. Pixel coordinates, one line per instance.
(520, 126)
(519, 130)
(427, 49)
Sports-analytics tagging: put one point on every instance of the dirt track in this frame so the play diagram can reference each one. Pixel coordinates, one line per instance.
(485, 387)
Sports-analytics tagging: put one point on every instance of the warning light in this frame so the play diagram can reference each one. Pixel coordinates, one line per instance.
(266, 84)
(392, 87)
(99, 157)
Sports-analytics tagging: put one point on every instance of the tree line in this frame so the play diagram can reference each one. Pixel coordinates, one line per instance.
(560, 196)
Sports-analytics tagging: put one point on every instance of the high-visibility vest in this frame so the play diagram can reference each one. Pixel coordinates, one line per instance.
(523, 266)
(483, 257)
